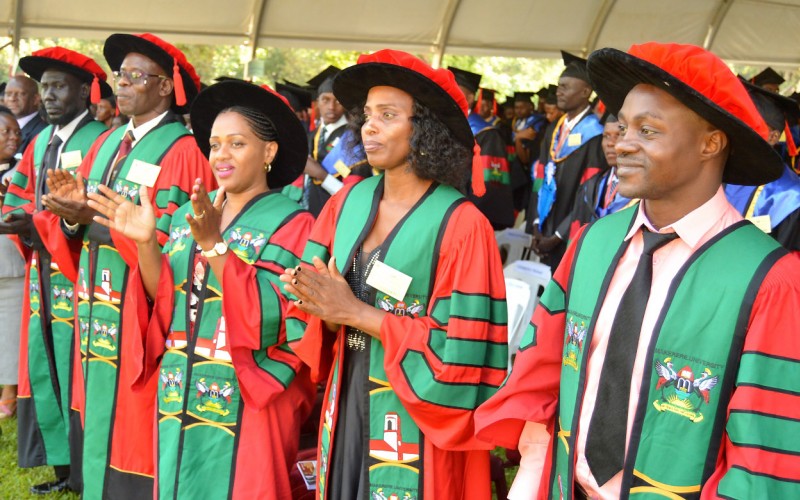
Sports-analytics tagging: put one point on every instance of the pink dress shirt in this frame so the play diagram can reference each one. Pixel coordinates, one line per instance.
(694, 229)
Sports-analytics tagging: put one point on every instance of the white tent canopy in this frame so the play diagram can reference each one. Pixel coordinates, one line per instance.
(756, 32)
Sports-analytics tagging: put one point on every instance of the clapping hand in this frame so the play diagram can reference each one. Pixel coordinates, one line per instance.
(207, 216)
(67, 197)
(137, 222)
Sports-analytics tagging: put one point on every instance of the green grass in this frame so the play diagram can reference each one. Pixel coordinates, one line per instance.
(15, 483)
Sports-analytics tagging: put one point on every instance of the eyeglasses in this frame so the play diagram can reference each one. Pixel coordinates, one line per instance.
(135, 76)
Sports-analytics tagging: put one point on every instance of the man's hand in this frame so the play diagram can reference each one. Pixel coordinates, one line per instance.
(314, 170)
(67, 198)
(19, 223)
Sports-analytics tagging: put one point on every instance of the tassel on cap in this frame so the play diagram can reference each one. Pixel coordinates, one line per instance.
(478, 186)
(494, 106)
(180, 92)
(94, 94)
(477, 107)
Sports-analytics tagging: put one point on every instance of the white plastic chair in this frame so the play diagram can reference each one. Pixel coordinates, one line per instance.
(524, 282)
(515, 242)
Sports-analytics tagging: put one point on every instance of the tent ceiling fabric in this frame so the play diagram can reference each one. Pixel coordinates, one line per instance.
(746, 31)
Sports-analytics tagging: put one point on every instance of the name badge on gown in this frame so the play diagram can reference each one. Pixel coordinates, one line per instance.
(574, 140)
(762, 222)
(70, 160)
(143, 173)
(389, 280)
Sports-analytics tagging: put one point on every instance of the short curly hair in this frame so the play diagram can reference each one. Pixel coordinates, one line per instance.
(435, 153)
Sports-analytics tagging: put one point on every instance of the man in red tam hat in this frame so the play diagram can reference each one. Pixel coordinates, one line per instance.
(653, 364)
(155, 83)
(69, 81)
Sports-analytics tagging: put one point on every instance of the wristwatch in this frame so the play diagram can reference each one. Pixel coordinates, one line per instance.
(219, 248)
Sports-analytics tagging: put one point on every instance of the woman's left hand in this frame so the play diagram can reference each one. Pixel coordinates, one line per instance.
(323, 292)
(205, 220)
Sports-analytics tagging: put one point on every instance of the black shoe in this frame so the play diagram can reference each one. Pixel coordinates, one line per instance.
(51, 487)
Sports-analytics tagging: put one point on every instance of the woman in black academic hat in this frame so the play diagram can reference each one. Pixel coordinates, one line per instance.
(231, 395)
(401, 299)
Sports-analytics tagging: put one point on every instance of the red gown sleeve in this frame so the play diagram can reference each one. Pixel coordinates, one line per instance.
(531, 391)
(760, 453)
(264, 365)
(306, 334)
(147, 324)
(179, 168)
(444, 365)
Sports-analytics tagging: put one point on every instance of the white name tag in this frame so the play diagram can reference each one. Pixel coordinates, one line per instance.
(389, 280)
(70, 160)
(763, 222)
(574, 140)
(143, 173)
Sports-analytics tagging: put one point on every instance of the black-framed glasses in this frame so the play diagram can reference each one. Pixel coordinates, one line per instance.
(135, 76)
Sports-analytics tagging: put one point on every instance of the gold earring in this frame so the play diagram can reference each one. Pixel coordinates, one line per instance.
(268, 167)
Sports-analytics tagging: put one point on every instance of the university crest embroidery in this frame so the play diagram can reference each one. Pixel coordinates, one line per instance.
(681, 392)
(172, 385)
(106, 336)
(392, 447)
(34, 300)
(213, 398)
(400, 308)
(62, 299)
(245, 244)
(576, 335)
(380, 495)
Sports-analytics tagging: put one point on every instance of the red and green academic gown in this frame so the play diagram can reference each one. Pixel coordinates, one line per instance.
(441, 353)
(46, 339)
(231, 394)
(718, 413)
(118, 433)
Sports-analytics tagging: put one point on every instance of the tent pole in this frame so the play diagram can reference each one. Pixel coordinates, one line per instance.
(443, 35)
(15, 36)
(252, 36)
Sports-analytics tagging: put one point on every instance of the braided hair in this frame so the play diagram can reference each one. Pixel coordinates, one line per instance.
(259, 122)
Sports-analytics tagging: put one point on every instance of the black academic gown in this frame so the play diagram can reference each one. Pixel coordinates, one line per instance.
(317, 197)
(578, 167)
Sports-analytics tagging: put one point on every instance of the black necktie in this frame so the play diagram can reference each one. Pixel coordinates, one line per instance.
(323, 136)
(50, 161)
(605, 444)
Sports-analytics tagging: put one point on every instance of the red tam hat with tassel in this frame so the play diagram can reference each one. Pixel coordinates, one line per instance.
(171, 60)
(60, 59)
(436, 89)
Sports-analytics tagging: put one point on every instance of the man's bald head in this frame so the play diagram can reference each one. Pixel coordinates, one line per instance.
(22, 95)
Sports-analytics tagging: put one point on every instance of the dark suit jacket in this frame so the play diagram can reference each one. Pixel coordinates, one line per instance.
(29, 131)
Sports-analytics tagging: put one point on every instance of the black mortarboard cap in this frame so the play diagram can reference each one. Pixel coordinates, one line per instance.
(523, 96)
(575, 67)
(467, 79)
(487, 94)
(551, 95)
(299, 97)
(767, 76)
(323, 82)
(774, 108)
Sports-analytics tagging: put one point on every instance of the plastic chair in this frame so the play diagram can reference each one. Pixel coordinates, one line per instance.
(525, 281)
(514, 245)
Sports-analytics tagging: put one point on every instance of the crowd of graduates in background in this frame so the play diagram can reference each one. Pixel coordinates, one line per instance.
(117, 246)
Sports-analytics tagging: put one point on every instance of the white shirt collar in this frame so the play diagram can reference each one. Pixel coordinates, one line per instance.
(67, 130)
(25, 119)
(144, 128)
(571, 123)
(333, 126)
